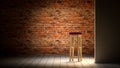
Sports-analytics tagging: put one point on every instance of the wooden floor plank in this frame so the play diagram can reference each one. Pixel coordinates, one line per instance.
(23, 61)
(70, 64)
(29, 62)
(59, 56)
(39, 61)
(88, 62)
(36, 61)
(42, 62)
(56, 62)
(66, 56)
(78, 64)
(63, 63)
(49, 62)
(12, 61)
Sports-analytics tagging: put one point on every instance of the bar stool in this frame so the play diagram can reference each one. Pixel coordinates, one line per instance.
(75, 39)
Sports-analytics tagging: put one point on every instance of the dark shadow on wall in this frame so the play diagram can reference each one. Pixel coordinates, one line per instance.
(107, 32)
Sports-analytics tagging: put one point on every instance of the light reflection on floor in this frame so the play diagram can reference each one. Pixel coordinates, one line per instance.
(52, 61)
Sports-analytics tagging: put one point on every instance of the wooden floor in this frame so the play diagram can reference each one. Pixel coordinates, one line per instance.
(51, 61)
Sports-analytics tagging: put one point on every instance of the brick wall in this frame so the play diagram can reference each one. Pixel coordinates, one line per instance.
(43, 26)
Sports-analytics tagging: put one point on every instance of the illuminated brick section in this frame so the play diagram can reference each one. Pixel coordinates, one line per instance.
(43, 26)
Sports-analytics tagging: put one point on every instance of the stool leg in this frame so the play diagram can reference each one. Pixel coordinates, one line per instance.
(79, 54)
(70, 48)
(80, 47)
(72, 53)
